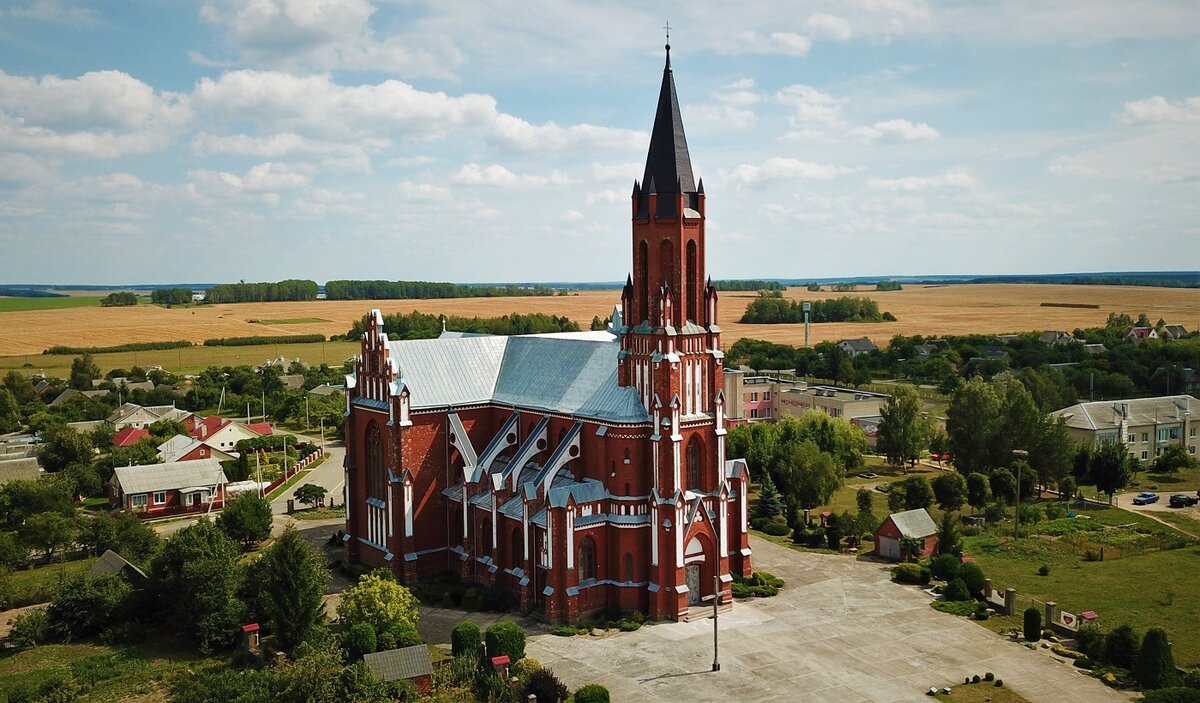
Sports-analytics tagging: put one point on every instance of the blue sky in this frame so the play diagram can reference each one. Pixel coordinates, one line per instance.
(220, 140)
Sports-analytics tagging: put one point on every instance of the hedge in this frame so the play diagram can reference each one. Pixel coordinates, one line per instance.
(506, 637)
(135, 346)
(254, 341)
(591, 693)
(465, 638)
(911, 573)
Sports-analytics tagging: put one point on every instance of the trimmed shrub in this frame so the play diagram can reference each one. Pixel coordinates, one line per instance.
(591, 693)
(975, 678)
(506, 637)
(973, 577)
(910, 573)
(776, 529)
(999, 683)
(982, 612)
(359, 640)
(1086, 635)
(465, 638)
(1085, 662)
(525, 669)
(1155, 666)
(1033, 624)
(956, 590)
(989, 676)
(1121, 647)
(944, 567)
(814, 538)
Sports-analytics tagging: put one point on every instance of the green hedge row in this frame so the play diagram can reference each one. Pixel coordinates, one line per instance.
(253, 341)
(136, 346)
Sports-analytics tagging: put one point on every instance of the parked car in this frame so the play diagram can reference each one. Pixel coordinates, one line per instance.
(1180, 500)
(884, 488)
(1145, 498)
(868, 474)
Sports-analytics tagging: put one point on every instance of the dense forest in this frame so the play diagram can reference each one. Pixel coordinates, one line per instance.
(748, 284)
(773, 308)
(291, 289)
(423, 290)
(418, 325)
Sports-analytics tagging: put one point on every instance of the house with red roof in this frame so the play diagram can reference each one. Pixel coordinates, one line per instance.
(129, 436)
(224, 434)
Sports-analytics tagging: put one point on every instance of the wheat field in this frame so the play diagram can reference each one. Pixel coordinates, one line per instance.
(928, 310)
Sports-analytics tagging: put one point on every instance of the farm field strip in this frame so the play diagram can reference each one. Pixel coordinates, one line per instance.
(14, 304)
(940, 310)
(191, 359)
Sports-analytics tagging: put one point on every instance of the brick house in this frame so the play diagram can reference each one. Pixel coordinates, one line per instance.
(181, 448)
(910, 523)
(158, 490)
(581, 470)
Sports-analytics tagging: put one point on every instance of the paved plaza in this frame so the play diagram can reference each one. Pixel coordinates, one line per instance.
(840, 631)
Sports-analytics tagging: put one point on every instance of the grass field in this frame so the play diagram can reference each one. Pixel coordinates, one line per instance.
(8, 304)
(957, 309)
(982, 692)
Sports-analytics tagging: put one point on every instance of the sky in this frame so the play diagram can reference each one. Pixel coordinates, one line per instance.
(169, 141)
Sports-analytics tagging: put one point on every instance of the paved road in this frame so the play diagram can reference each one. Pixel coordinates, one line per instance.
(329, 474)
(840, 631)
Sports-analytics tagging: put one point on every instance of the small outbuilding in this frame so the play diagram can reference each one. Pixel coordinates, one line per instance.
(916, 524)
(112, 564)
(411, 663)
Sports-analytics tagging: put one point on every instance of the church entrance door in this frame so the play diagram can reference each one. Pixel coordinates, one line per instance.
(693, 584)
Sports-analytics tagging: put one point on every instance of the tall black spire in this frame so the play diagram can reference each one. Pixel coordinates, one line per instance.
(668, 166)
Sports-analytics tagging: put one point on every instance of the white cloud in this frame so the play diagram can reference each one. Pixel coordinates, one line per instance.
(322, 202)
(811, 108)
(271, 176)
(1067, 166)
(571, 216)
(628, 171)
(324, 35)
(829, 26)
(1158, 109)
(893, 131)
(752, 42)
(21, 170)
(276, 145)
(497, 175)
(51, 11)
(423, 191)
(950, 180)
(782, 168)
(607, 197)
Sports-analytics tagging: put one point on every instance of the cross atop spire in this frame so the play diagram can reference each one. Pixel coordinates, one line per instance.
(667, 27)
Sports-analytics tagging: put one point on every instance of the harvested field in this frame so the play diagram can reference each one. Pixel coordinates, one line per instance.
(933, 310)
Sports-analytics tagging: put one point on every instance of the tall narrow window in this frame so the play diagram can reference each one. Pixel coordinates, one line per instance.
(375, 471)
(484, 544)
(516, 553)
(628, 567)
(587, 559)
(643, 274)
(691, 281)
(693, 464)
(666, 270)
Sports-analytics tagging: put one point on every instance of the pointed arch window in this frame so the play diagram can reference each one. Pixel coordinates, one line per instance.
(691, 281)
(587, 559)
(376, 478)
(643, 274)
(693, 464)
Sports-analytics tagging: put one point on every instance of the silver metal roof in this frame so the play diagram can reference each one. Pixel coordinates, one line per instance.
(914, 523)
(169, 476)
(568, 375)
(1107, 414)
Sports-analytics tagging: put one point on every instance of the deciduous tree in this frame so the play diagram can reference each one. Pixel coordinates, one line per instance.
(310, 493)
(979, 491)
(950, 491)
(378, 600)
(49, 532)
(903, 432)
(1111, 467)
(63, 446)
(195, 579)
(84, 370)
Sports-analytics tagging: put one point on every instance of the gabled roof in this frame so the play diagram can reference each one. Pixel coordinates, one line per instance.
(259, 428)
(1107, 414)
(914, 523)
(208, 426)
(396, 664)
(129, 436)
(169, 476)
(547, 373)
(860, 344)
(112, 564)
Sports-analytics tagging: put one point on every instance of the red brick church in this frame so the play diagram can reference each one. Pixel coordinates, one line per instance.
(579, 470)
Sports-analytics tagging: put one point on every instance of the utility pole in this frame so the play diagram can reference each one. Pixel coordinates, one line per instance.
(716, 599)
(307, 422)
(1019, 455)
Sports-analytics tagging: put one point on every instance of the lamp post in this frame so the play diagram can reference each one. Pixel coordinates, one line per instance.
(1019, 456)
(716, 599)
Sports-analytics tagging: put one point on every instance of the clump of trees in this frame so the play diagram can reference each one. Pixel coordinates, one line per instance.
(770, 307)
(171, 296)
(119, 299)
(418, 325)
(752, 284)
(290, 289)
(425, 290)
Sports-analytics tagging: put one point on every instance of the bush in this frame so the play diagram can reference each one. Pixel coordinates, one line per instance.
(1191, 678)
(472, 600)
(1121, 647)
(591, 693)
(776, 529)
(910, 573)
(525, 669)
(360, 639)
(1086, 635)
(1178, 694)
(84, 607)
(999, 683)
(989, 676)
(1044, 570)
(1085, 662)
(944, 567)
(546, 687)
(1033, 624)
(28, 629)
(465, 638)
(956, 590)
(982, 612)
(975, 679)
(506, 637)
(627, 625)
(567, 631)
(973, 577)
(1155, 666)
(1055, 511)
(759, 523)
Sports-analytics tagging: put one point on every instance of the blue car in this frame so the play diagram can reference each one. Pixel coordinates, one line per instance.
(1145, 498)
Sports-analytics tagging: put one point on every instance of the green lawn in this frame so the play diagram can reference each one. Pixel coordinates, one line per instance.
(1155, 588)
(103, 673)
(8, 304)
(190, 359)
(39, 584)
(320, 513)
(982, 692)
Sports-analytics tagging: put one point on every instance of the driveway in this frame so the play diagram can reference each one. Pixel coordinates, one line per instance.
(839, 631)
(329, 474)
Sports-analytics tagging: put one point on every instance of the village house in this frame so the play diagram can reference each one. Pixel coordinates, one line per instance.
(134, 415)
(157, 490)
(182, 448)
(1139, 334)
(1056, 337)
(1146, 425)
(859, 345)
(224, 434)
(129, 436)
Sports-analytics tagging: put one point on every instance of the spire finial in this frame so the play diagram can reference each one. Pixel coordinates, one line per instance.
(667, 27)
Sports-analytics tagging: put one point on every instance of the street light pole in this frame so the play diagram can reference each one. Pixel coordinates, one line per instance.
(716, 603)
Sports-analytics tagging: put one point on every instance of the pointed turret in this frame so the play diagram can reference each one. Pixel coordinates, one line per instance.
(668, 165)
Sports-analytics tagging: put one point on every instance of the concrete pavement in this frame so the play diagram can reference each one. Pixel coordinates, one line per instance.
(839, 631)
(329, 474)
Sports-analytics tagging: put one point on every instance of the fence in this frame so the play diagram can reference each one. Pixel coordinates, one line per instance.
(288, 473)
